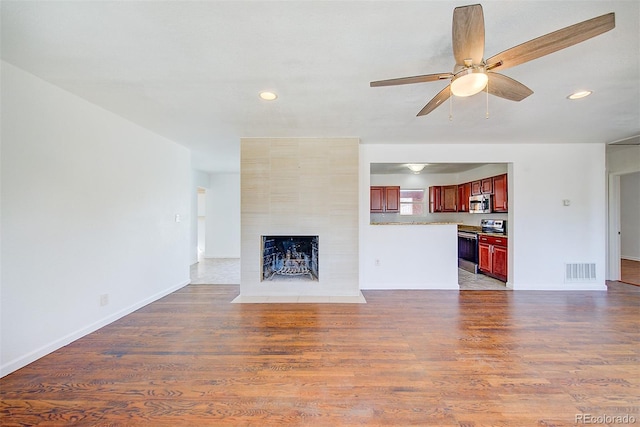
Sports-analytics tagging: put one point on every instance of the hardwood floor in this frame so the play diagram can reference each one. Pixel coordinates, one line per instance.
(441, 358)
(630, 271)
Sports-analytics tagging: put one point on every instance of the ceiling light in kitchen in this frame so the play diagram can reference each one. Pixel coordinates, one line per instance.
(579, 94)
(416, 167)
(268, 96)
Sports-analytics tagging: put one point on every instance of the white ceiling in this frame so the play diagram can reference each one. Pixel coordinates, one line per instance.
(191, 71)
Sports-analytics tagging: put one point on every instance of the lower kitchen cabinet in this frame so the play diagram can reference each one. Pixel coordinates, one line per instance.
(492, 256)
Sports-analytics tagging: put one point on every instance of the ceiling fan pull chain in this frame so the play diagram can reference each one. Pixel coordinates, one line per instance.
(450, 105)
(487, 116)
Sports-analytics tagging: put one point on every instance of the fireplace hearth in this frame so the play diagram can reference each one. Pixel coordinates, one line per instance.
(290, 258)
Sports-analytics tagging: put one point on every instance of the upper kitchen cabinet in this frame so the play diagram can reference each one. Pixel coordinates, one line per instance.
(449, 198)
(500, 199)
(486, 185)
(435, 199)
(482, 186)
(464, 192)
(443, 198)
(385, 199)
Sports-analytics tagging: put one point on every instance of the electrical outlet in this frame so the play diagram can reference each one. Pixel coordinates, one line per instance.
(104, 300)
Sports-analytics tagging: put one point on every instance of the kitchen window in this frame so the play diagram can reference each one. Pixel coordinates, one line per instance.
(412, 202)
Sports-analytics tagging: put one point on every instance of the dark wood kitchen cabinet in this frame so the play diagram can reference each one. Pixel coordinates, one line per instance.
(492, 256)
(392, 199)
(435, 199)
(449, 198)
(464, 192)
(476, 188)
(486, 186)
(500, 199)
(482, 186)
(443, 198)
(385, 199)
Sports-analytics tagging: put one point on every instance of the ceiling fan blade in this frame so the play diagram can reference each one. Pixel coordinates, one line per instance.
(409, 80)
(436, 101)
(507, 88)
(552, 42)
(468, 34)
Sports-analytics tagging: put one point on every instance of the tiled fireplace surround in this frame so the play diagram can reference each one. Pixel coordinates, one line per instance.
(305, 187)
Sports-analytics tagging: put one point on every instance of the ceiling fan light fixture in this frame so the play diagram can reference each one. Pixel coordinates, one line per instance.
(469, 82)
(580, 94)
(416, 167)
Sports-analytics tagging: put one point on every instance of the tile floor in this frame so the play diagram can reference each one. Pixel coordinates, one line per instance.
(226, 271)
(216, 271)
(479, 282)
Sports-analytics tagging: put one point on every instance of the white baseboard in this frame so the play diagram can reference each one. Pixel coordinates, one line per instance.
(561, 287)
(410, 286)
(32, 356)
(630, 258)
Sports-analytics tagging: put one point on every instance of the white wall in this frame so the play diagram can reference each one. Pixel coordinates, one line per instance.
(88, 208)
(543, 234)
(412, 257)
(223, 216)
(630, 216)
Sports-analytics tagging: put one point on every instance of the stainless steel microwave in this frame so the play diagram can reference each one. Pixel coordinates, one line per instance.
(480, 203)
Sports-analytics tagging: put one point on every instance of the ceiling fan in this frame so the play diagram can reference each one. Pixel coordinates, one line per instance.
(472, 73)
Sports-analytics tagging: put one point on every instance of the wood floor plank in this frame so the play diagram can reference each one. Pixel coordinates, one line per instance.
(425, 358)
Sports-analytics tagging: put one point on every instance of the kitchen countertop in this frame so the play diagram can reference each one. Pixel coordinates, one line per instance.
(478, 229)
(414, 223)
(470, 228)
(494, 234)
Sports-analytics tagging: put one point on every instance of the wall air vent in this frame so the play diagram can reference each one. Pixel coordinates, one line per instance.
(580, 272)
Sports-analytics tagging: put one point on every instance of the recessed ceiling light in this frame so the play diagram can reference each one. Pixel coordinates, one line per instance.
(579, 94)
(268, 96)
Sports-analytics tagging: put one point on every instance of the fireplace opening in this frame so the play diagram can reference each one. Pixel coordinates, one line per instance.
(290, 258)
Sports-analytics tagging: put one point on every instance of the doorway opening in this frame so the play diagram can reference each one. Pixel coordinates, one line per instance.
(629, 228)
(201, 226)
